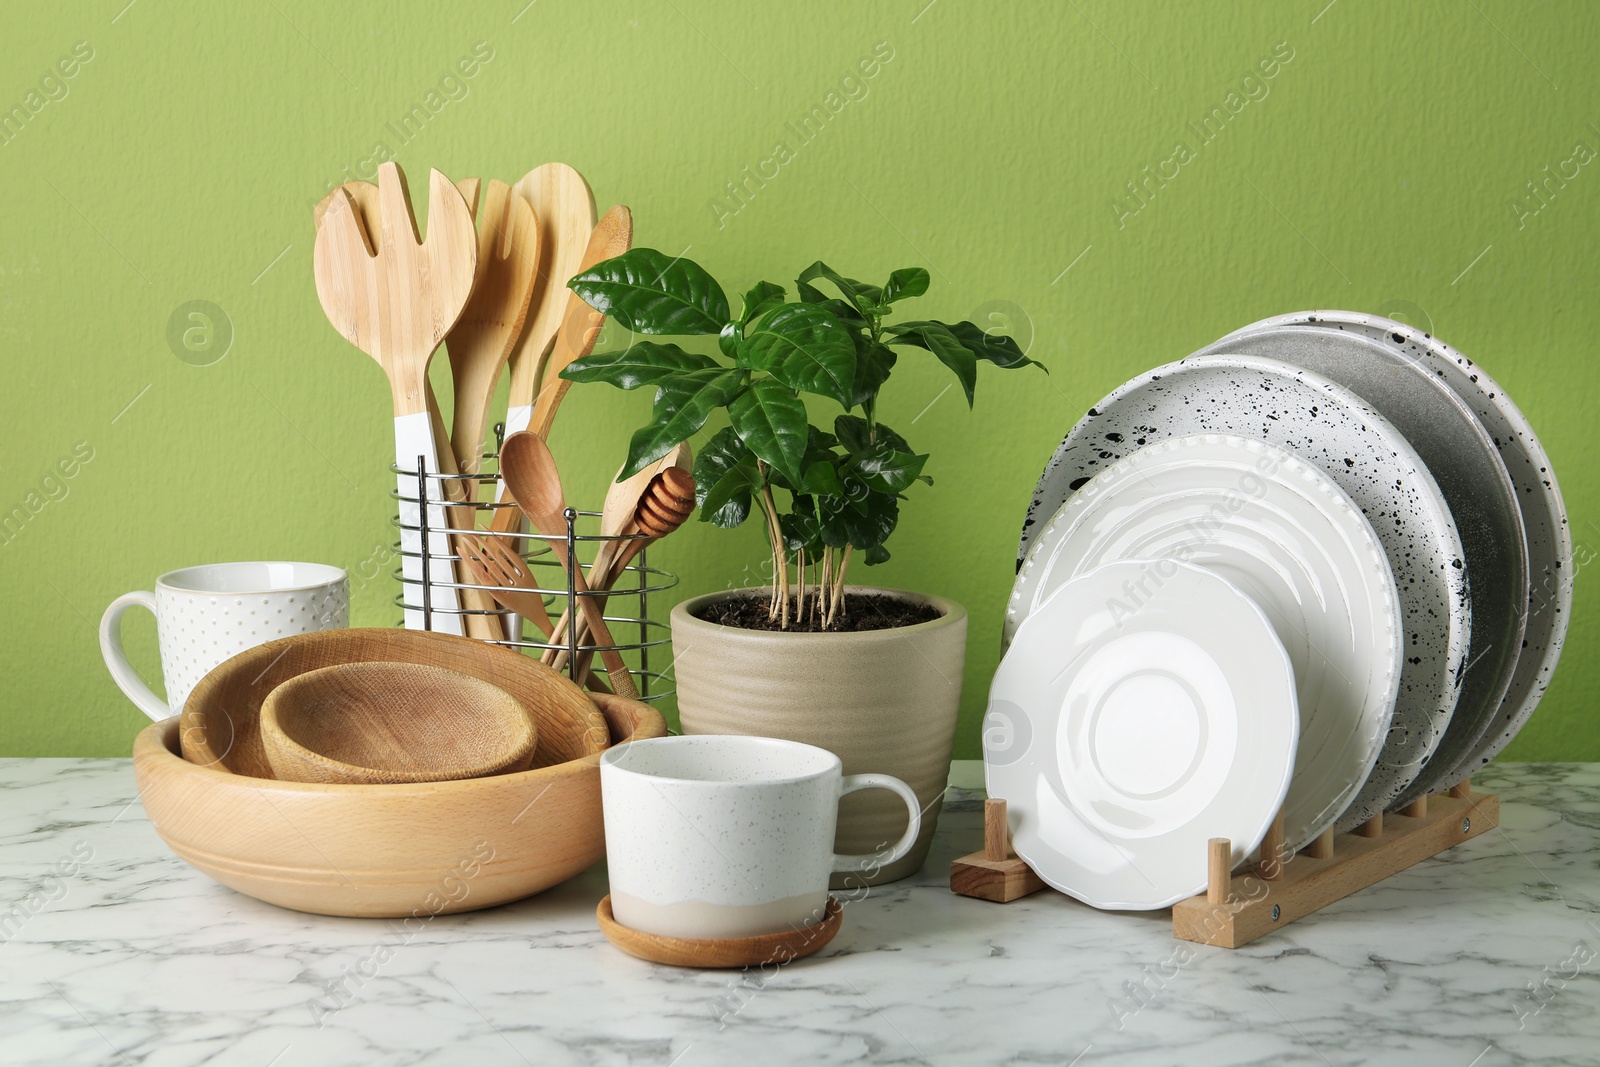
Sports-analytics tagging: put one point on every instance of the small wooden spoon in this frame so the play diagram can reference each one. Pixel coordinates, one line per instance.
(531, 476)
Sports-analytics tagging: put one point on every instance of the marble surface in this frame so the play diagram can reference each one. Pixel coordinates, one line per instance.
(112, 951)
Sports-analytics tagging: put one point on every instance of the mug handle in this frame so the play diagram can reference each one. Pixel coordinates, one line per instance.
(853, 783)
(122, 671)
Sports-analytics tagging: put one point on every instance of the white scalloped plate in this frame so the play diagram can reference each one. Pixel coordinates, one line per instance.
(1290, 539)
(1325, 424)
(1126, 729)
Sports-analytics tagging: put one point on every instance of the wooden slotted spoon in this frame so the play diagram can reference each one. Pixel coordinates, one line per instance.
(396, 302)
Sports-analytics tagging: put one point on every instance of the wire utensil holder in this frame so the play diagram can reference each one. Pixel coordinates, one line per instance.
(626, 604)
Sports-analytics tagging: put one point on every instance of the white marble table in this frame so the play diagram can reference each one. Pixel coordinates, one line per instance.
(115, 952)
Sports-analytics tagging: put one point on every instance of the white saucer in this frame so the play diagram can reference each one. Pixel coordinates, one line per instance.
(1143, 708)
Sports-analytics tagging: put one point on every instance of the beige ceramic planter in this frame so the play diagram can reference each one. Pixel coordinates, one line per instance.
(883, 701)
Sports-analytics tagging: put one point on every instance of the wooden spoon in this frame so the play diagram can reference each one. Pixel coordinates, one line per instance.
(530, 475)
(396, 301)
(564, 206)
(482, 341)
(579, 330)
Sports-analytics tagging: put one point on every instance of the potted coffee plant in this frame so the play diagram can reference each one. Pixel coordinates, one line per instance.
(872, 674)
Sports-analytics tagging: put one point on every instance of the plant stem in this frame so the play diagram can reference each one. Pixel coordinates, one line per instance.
(779, 557)
(838, 582)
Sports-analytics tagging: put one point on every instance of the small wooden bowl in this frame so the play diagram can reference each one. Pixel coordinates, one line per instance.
(381, 723)
(757, 951)
(420, 849)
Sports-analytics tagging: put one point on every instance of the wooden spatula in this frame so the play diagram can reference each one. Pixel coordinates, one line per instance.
(580, 328)
(564, 206)
(396, 302)
(482, 341)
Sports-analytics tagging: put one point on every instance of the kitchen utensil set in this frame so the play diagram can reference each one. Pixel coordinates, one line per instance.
(396, 298)
(1385, 511)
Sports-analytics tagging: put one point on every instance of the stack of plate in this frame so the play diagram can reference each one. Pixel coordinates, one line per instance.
(1321, 565)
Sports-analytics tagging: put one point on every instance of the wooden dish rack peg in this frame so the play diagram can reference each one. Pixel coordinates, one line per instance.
(1275, 890)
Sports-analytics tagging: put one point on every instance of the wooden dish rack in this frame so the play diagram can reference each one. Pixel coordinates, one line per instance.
(1277, 888)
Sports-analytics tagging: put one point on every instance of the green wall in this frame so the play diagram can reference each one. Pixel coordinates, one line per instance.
(1384, 166)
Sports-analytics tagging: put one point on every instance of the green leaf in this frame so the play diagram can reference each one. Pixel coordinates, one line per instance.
(904, 283)
(821, 479)
(867, 298)
(725, 476)
(649, 292)
(683, 404)
(872, 525)
(642, 363)
(762, 297)
(875, 555)
(874, 361)
(997, 348)
(728, 340)
(937, 338)
(771, 421)
(805, 348)
(887, 469)
(859, 437)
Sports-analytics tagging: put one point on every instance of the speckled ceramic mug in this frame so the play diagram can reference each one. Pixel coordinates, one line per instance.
(716, 836)
(213, 612)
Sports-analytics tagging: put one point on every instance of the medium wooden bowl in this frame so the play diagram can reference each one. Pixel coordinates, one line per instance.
(221, 719)
(393, 722)
(388, 850)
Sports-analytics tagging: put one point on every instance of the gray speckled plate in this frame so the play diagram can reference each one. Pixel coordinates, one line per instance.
(1327, 425)
(1538, 496)
(1464, 461)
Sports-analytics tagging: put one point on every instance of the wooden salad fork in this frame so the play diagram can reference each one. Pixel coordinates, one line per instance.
(492, 562)
(395, 299)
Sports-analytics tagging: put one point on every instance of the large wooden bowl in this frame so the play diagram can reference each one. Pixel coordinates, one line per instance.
(390, 850)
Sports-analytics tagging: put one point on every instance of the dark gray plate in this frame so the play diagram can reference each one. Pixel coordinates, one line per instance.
(1547, 607)
(1464, 461)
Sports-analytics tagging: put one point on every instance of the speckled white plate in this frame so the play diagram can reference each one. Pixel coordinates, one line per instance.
(1369, 459)
(1543, 514)
(1464, 461)
(1144, 708)
(1290, 539)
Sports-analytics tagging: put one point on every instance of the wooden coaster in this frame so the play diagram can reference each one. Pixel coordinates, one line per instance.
(778, 948)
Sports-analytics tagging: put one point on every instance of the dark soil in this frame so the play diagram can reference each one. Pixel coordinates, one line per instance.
(862, 611)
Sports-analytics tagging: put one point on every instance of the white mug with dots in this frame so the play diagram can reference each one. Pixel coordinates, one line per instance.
(208, 614)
